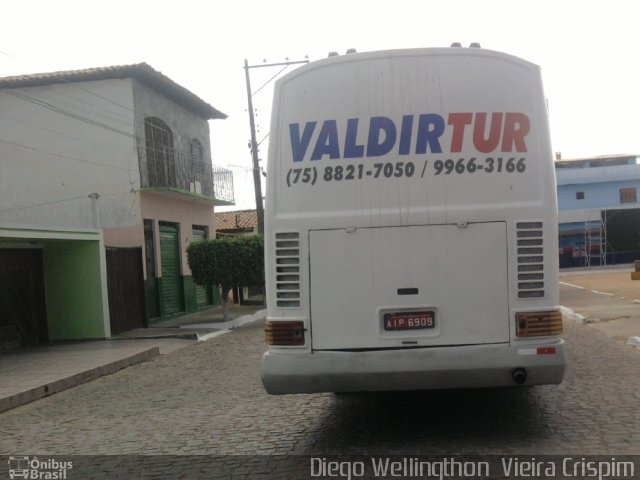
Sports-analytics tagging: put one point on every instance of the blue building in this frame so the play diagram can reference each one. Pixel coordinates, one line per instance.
(599, 214)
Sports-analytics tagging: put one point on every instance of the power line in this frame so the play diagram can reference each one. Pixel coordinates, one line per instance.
(117, 117)
(257, 181)
(33, 98)
(270, 80)
(25, 207)
(66, 157)
(66, 100)
(54, 202)
(34, 205)
(10, 56)
(263, 139)
(61, 111)
(74, 85)
(62, 134)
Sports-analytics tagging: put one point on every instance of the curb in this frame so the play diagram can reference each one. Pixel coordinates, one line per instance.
(582, 320)
(227, 327)
(56, 386)
(634, 342)
(576, 317)
(177, 336)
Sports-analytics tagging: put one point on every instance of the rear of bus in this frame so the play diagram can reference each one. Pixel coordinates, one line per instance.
(411, 225)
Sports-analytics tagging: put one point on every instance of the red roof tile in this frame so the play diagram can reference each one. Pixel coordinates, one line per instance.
(245, 220)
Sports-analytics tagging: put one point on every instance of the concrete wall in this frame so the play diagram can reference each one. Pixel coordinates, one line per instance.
(73, 289)
(596, 195)
(66, 142)
(124, 237)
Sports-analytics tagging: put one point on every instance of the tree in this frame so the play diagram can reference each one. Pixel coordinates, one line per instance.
(227, 262)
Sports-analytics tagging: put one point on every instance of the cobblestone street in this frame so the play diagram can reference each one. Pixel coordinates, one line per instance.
(208, 399)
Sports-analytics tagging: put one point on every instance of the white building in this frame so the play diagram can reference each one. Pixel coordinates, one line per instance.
(599, 214)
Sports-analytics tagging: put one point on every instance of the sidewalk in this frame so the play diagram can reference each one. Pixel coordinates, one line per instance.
(200, 325)
(604, 298)
(32, 373)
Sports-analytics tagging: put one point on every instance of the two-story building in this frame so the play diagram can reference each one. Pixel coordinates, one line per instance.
(106, 177)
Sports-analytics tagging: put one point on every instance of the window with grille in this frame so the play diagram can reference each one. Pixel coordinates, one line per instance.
(198, 170)
(628, 195)
(159, 148)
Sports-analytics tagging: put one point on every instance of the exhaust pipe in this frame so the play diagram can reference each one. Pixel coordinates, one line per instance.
(519, 375)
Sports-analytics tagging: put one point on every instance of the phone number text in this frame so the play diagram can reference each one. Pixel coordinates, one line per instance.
(339, 173)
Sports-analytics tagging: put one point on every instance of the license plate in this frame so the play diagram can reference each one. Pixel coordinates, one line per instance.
(409, 320)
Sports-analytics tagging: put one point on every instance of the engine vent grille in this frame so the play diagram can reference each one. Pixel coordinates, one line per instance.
(530, 260)
(288, 270)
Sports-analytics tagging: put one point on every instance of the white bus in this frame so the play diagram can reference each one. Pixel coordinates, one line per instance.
(411, 225)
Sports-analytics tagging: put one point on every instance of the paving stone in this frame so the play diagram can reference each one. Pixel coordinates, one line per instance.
(208, 399)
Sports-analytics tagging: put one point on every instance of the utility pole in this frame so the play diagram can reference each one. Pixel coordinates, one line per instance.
(254, 144)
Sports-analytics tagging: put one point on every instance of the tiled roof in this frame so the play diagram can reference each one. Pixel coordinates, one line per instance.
(245, 220)
(140, 71)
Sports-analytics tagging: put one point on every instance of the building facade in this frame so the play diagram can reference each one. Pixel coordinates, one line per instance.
(122, 153)
(599, 213)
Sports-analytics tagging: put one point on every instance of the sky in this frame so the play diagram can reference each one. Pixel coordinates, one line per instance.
(588, 51)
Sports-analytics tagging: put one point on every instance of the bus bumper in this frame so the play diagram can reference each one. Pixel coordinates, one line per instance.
(432, 368)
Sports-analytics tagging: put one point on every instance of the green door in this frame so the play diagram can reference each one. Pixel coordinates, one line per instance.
(171, 285)
(202, 297)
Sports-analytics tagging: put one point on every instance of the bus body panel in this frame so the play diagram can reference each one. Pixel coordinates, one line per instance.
(410, 184)
(437, 104)
(457, 272)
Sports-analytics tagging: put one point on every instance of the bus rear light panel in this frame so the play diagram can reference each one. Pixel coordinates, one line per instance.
(286, 333)
(538, 324)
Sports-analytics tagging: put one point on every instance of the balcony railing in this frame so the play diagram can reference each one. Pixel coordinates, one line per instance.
(171, 168)
(223, 184)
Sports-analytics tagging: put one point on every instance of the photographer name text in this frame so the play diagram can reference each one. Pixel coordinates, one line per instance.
(507, 467)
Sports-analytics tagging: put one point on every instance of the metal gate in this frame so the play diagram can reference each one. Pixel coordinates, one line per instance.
(202, 292)
(23, 316)
(172, 293)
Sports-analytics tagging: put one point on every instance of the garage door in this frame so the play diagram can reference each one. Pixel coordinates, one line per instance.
(22, 303)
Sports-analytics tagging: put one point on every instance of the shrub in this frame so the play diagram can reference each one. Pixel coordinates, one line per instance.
(227, 262)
